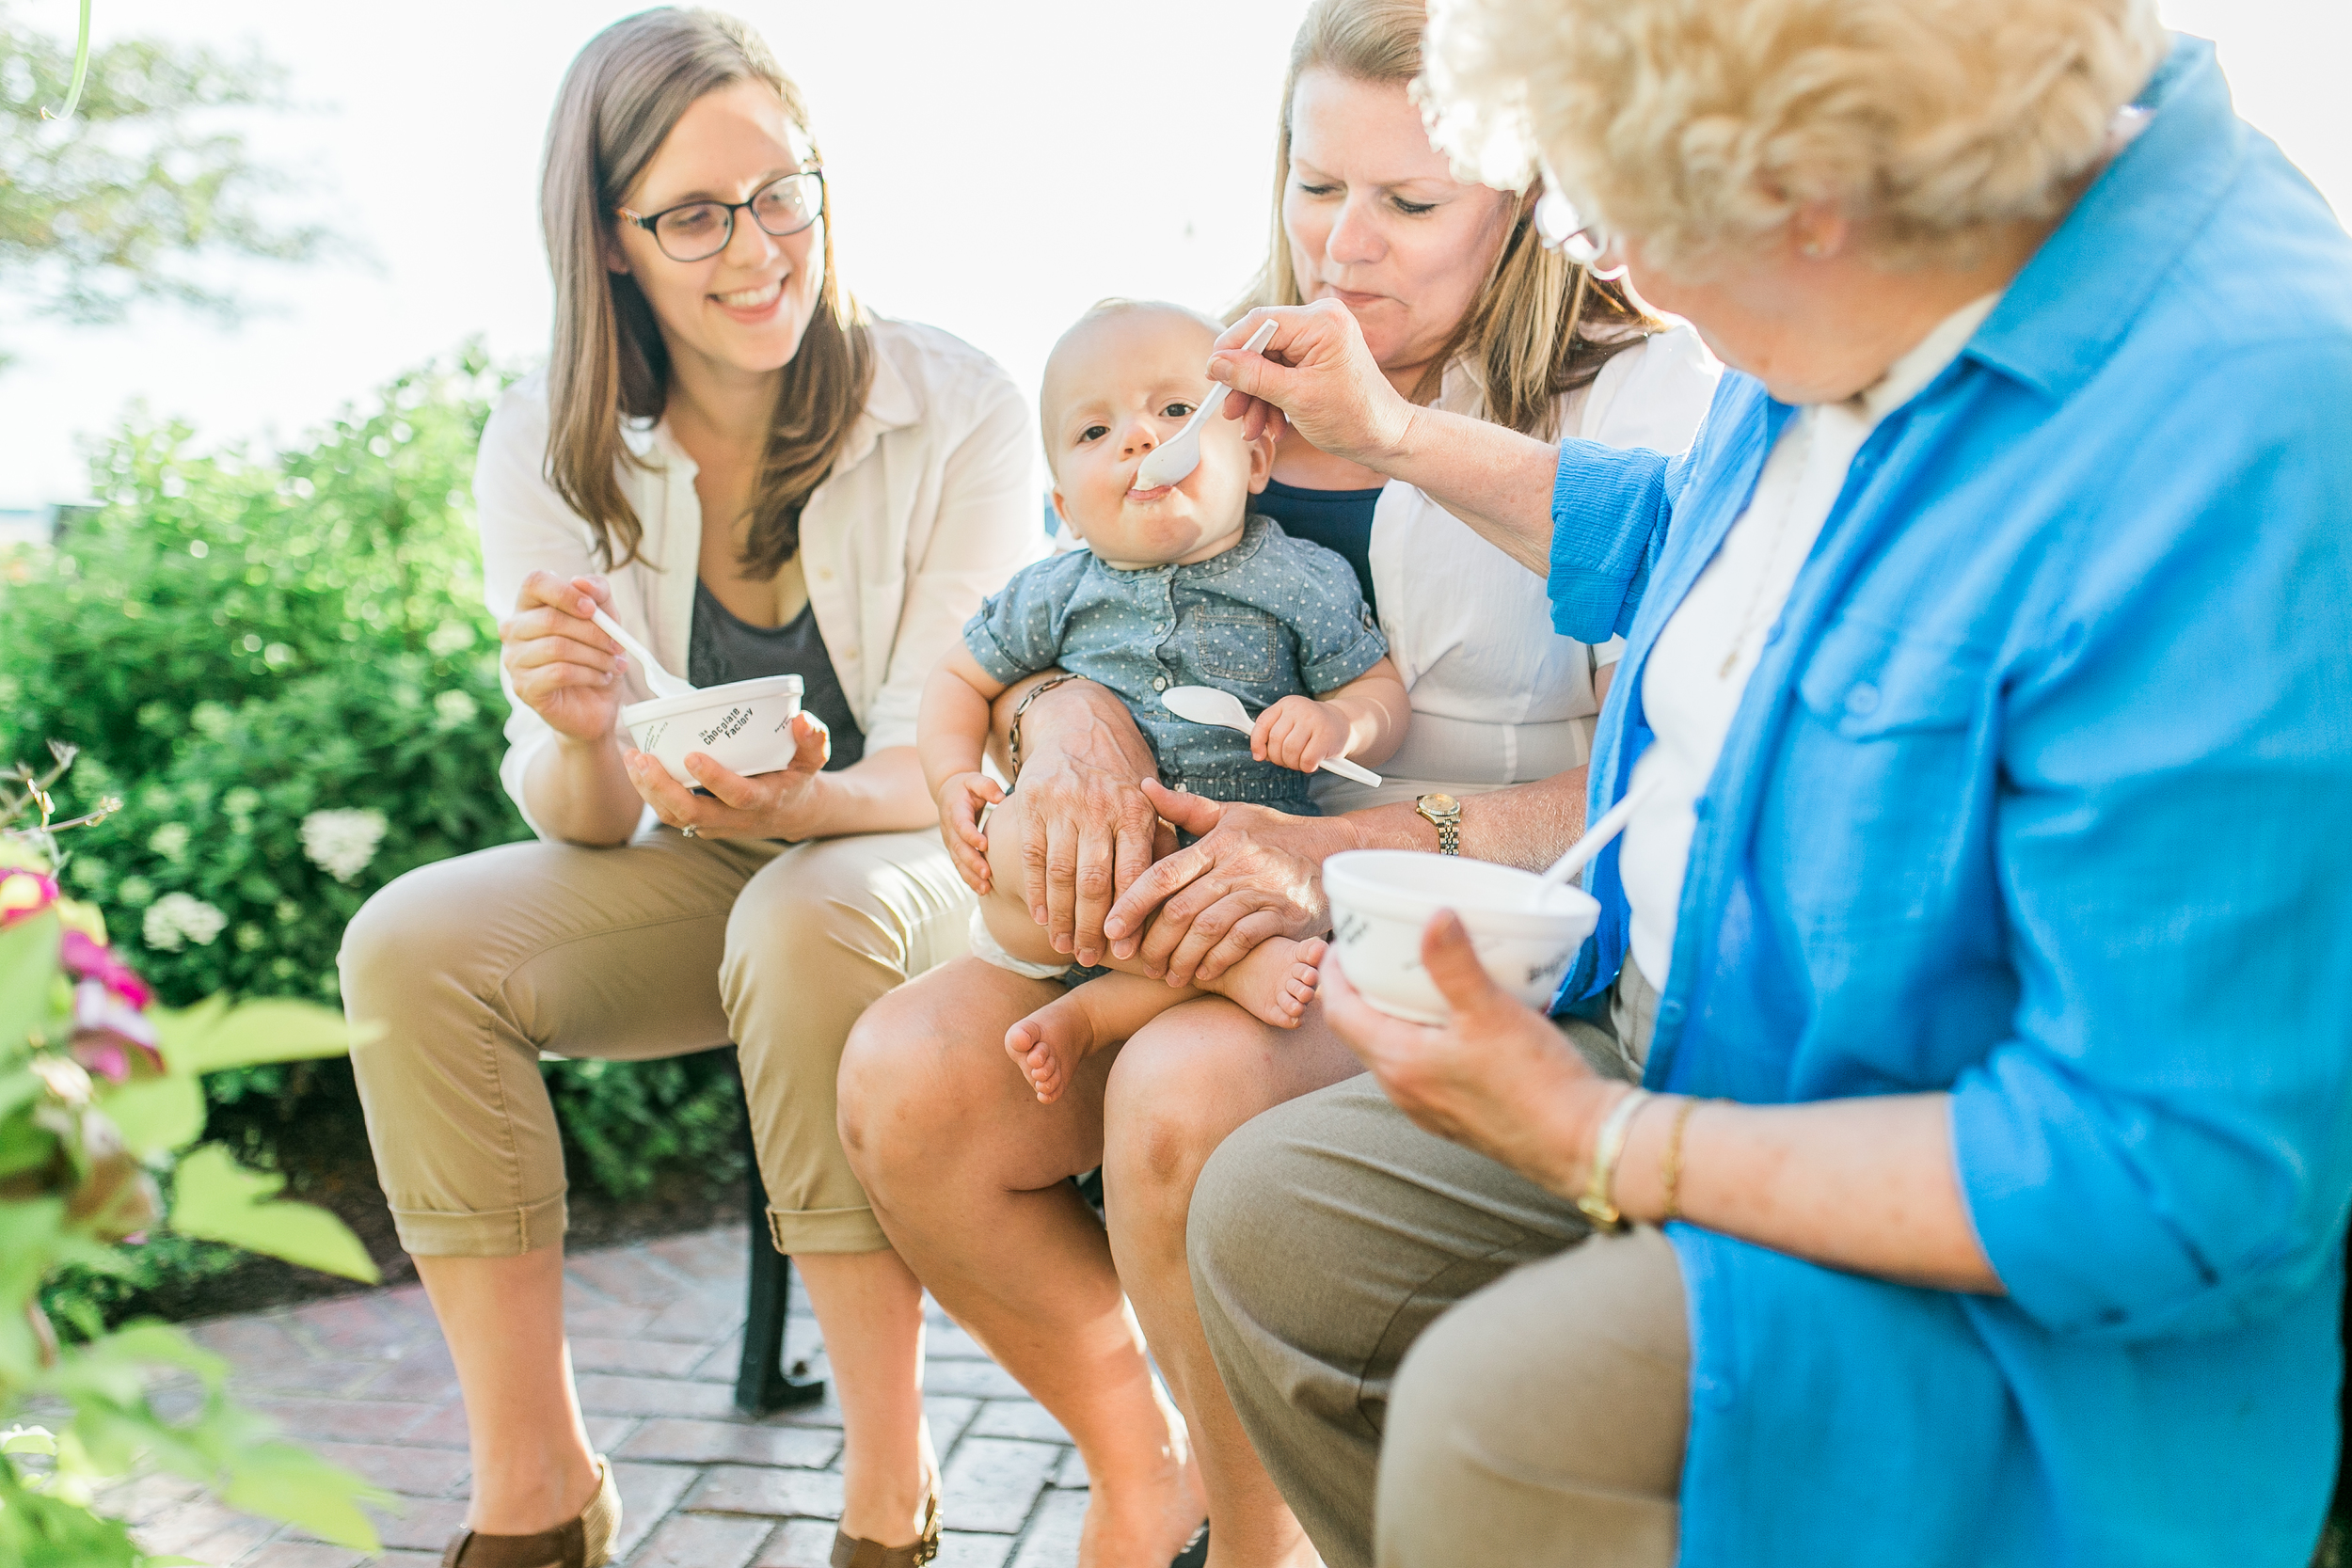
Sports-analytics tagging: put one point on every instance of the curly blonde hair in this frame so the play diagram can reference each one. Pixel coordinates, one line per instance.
(1702, 126)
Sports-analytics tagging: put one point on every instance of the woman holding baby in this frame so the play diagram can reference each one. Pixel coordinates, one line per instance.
(755, 477)
(1987, 1169)
(967, 1169)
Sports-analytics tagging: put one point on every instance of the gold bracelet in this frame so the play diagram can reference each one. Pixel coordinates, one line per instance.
(1599, 1203)
(1674, 1161)
(1013, 735)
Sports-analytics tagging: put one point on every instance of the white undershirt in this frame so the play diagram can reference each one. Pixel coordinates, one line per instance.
(1699, 670)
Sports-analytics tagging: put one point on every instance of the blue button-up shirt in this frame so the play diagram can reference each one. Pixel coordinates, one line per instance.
(2040, 796)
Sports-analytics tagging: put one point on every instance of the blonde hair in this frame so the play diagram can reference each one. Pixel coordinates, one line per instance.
(1541, 325)
(619, 102)
(1702, 126)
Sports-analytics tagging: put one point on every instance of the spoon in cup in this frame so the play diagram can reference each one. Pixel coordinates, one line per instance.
(1169, 463)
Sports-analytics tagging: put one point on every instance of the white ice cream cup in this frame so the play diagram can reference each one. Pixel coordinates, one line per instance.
(1382, 900)
(744, 726)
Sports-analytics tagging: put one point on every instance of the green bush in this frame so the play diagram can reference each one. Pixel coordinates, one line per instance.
(285, 669)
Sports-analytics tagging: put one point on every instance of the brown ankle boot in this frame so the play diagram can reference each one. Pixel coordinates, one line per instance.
(851, 1552)
(583, 1543)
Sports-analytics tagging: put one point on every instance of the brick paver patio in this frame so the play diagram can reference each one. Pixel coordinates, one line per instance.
(655, 1331)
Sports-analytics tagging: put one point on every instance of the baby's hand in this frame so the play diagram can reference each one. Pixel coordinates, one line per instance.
(959, 802)
(1299, 732)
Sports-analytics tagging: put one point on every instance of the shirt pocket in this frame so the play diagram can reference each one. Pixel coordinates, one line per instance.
(1866, 681)
(1878, 808)
(1235, 643)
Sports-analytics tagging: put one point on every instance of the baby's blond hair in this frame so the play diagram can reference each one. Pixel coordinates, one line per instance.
(1101, 311)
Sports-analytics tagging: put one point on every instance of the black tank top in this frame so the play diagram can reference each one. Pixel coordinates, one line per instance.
(721, 647)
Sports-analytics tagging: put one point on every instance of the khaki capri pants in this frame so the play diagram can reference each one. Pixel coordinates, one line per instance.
(1437, 1360)
(659, 947)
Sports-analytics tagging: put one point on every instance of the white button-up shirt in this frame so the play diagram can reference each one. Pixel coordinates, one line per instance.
(1498, 696)
(930, 508)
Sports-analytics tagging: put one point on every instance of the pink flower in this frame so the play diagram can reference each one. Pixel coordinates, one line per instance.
(24, 892)
(86, 959)
(107, 1029)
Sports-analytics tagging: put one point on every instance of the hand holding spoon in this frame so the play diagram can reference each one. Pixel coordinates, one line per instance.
(1170, 463)
(663, 683)
(1207, 704)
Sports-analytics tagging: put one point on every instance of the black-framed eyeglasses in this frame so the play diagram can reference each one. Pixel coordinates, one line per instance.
(697, 231)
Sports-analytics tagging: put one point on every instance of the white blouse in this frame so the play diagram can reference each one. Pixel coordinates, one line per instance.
(1694, 678)
(930, 508)
(1498, 696)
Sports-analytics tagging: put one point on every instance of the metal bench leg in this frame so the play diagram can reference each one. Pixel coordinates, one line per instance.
(762, 1383)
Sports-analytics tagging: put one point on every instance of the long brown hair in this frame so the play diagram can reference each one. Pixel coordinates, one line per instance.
(1541, 325)
(624, 93)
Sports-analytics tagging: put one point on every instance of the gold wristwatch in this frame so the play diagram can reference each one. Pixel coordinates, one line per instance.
(1445, 814)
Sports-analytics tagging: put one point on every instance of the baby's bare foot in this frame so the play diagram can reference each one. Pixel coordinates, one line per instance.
(1275, 981)
(1048, 1045)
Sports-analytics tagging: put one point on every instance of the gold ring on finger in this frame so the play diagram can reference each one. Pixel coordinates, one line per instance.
(688, 831)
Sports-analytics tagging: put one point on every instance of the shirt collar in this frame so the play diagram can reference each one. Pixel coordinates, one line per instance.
(2063, 314)
(1253, 538)
(1922, 363)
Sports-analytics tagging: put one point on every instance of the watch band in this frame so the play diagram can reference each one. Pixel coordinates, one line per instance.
(1599, 1202)
(1448, 823)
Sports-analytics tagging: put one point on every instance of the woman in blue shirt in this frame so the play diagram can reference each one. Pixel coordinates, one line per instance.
(1985, 938)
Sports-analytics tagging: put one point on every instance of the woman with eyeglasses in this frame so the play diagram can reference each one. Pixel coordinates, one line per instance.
(1460, 309)
(755, 477)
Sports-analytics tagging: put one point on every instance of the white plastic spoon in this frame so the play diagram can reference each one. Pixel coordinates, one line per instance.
(1595, 839)
(663, 683)
(1170, 463)
(1207, 704)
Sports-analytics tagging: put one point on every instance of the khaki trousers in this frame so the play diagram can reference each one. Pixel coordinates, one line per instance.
(662, 946)
(1436, 1359)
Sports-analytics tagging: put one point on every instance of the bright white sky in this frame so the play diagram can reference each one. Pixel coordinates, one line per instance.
(994, 168)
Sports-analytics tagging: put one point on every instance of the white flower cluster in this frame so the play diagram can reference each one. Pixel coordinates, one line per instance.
(177, 919)
(342, 843)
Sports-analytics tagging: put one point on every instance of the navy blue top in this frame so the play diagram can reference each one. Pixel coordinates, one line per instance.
(2037, 799)
(721, 647)
(1339, 520)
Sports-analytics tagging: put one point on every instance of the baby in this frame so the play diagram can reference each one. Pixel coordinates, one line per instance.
(1179, 585)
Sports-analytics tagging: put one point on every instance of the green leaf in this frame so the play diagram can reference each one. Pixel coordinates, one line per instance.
(213, 1035)
(286, 1482)
(28, 964)
(218, 1200)
(156, 1114)
(19, 1087)
(28, 1440)
(24, 1146)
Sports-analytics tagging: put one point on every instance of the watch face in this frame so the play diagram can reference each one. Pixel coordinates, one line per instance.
(1440, 805)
